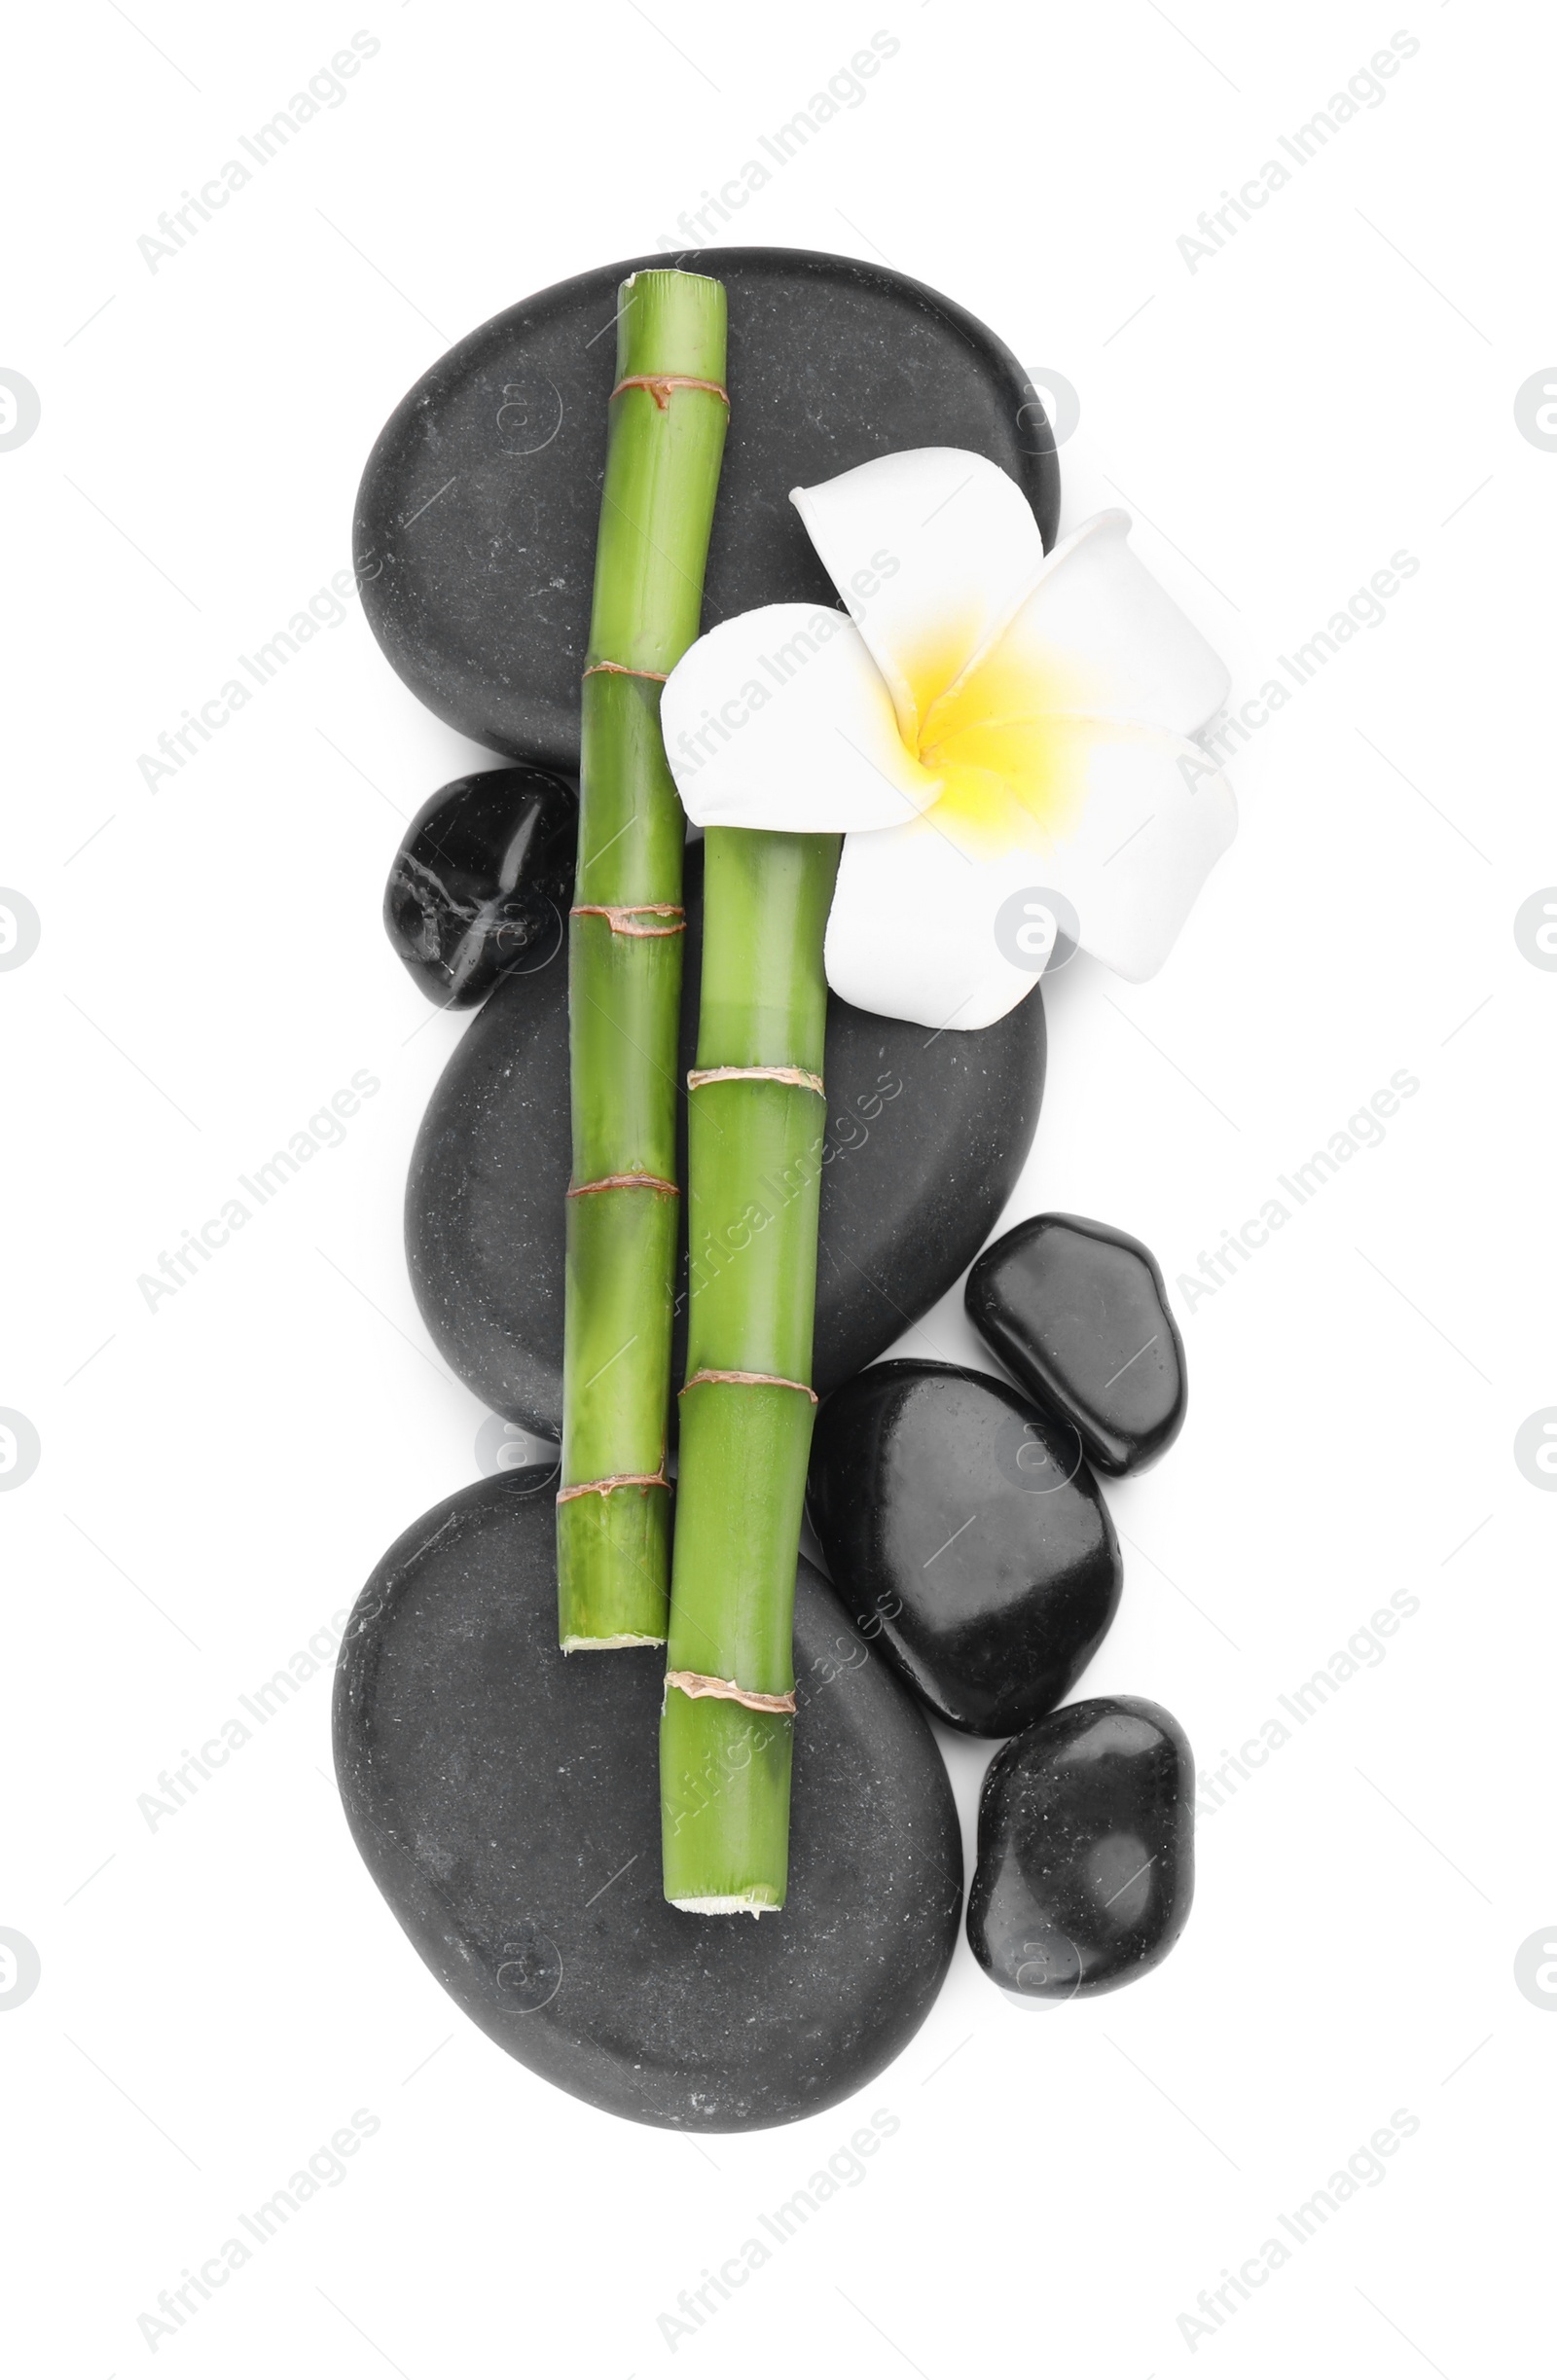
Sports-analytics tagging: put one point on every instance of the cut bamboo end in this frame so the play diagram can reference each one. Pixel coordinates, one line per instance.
(665, 272)
(695, 1685)
(729, 1904)
(613, 1542)
(800, 1076)
(604, 1644)
(747, 1380)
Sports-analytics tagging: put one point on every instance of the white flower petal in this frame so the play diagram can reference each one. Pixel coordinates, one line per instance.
(912, 930)
(932, 550)
(922, 927)
(1156, 816)
(779, 719)
(1097, 635)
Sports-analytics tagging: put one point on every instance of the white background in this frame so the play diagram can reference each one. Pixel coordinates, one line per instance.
(1337, 383)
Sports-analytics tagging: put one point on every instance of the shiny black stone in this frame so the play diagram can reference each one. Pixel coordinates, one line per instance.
(1086, 1858)
(506, 1802)
(925, 1137)
(482, 883)
(966, 1536)
(1077, 1311)
(477, 516)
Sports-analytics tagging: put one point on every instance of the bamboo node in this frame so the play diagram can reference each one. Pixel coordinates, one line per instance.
(749, 1380)
(620, 668)
(625, 1181)
(659, 384)
(798, 1075)
(604, 1487)
(693, 1683)
(619, 918)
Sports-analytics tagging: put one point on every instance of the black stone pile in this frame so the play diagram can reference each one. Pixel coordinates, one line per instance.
(506, 1800)
(966, 1532)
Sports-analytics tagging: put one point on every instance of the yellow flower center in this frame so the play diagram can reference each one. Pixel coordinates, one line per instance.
(1008, 741)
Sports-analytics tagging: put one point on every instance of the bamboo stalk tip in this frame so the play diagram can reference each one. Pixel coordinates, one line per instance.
(668, 272)
(672, 323)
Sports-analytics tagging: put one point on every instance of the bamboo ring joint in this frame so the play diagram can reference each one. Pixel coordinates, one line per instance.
(748, 1380)
(619, 918)
(604, 1487)
(798, 1075)
(659, 384)
(693, 1683)
(625, 1181)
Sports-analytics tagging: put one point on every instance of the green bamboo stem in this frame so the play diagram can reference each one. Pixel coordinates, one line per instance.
(755, 1170)
(662, 468)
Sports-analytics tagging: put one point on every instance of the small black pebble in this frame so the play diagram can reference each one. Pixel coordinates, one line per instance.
(1077, 1312)
(966, 1534)
(481, 885)
(1086, 1865)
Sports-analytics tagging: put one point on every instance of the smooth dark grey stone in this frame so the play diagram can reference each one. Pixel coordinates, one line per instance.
(1086, 1859)
(926, 1135)
(966, 1537)
(477, 516)
(506, 1802)
(1077, 1311)
(482, 883)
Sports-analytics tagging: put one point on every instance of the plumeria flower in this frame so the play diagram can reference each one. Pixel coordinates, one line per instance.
(1001, 736)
